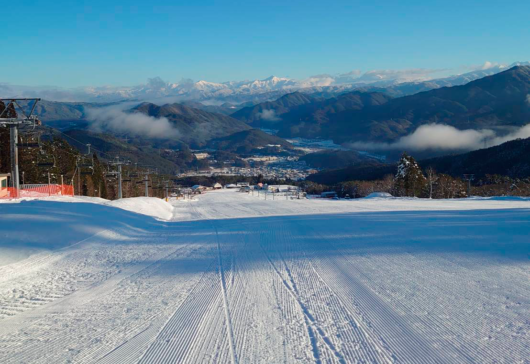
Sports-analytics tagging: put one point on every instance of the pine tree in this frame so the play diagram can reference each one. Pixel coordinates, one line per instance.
(409, 180)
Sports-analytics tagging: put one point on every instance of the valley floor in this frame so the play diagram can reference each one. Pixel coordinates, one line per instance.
(233, 278)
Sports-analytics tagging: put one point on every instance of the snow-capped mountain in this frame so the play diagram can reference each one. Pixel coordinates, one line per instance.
(253, 90)
(188, 90)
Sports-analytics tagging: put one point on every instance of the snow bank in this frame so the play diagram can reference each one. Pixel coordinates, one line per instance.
(69, 199)
(149, 206)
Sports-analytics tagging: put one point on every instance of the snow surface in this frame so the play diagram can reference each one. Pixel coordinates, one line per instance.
(230, 277)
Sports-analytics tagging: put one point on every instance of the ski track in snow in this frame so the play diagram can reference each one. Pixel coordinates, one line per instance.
(236, 279)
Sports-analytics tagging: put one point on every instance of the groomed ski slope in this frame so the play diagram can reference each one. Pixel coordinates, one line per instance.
(230, 278)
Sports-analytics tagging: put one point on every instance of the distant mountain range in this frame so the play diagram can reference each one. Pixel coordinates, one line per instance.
(496, 102)
(499, 102)
(396, 83)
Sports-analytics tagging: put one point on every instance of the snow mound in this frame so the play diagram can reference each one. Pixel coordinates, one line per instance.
(379, 195)
(150, 206)
(70, 199)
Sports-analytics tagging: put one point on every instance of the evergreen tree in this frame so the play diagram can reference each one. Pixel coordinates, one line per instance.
(409, 180)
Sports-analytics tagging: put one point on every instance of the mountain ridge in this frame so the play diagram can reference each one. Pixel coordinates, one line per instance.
(195, 126)
(497, 101)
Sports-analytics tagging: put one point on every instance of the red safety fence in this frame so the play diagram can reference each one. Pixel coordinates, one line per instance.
(43, 190)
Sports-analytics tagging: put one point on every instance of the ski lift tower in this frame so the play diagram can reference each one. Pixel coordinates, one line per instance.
(9, 117)
(146, 181)
(146, 177)
(119, 163)
(167, 189)
(469, 178)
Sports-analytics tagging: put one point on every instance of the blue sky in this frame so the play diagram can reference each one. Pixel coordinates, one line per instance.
(79, 43)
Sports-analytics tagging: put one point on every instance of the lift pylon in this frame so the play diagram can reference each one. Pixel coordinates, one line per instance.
(9, 109)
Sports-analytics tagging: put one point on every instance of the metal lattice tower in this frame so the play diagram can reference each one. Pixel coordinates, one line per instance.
(469, 178)
(14, 122)
(146, 181)
(119, 163)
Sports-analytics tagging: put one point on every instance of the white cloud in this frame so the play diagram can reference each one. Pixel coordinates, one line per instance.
(521, 133)
(345, 78)
(156, 83)
(116, 120)
(406, 75)
(316, 81)
(445, 137)
(268, 115)
(488, 65)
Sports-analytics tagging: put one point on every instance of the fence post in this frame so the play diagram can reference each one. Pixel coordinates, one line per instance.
(49, 185)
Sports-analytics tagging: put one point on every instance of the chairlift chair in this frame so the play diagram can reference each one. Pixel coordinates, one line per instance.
(45, 164)
(28, 143)
(87, 162)
(86, 168)
(48, 161)
(110, 174)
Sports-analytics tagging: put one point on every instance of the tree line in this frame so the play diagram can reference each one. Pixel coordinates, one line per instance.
(410, 180)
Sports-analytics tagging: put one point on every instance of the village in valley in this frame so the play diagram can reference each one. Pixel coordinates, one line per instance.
(270, 167)
(259, 189)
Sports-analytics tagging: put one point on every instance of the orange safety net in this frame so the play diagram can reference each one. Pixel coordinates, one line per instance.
(37, 191)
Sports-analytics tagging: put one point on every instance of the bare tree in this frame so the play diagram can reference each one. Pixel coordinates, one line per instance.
(431, 179)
